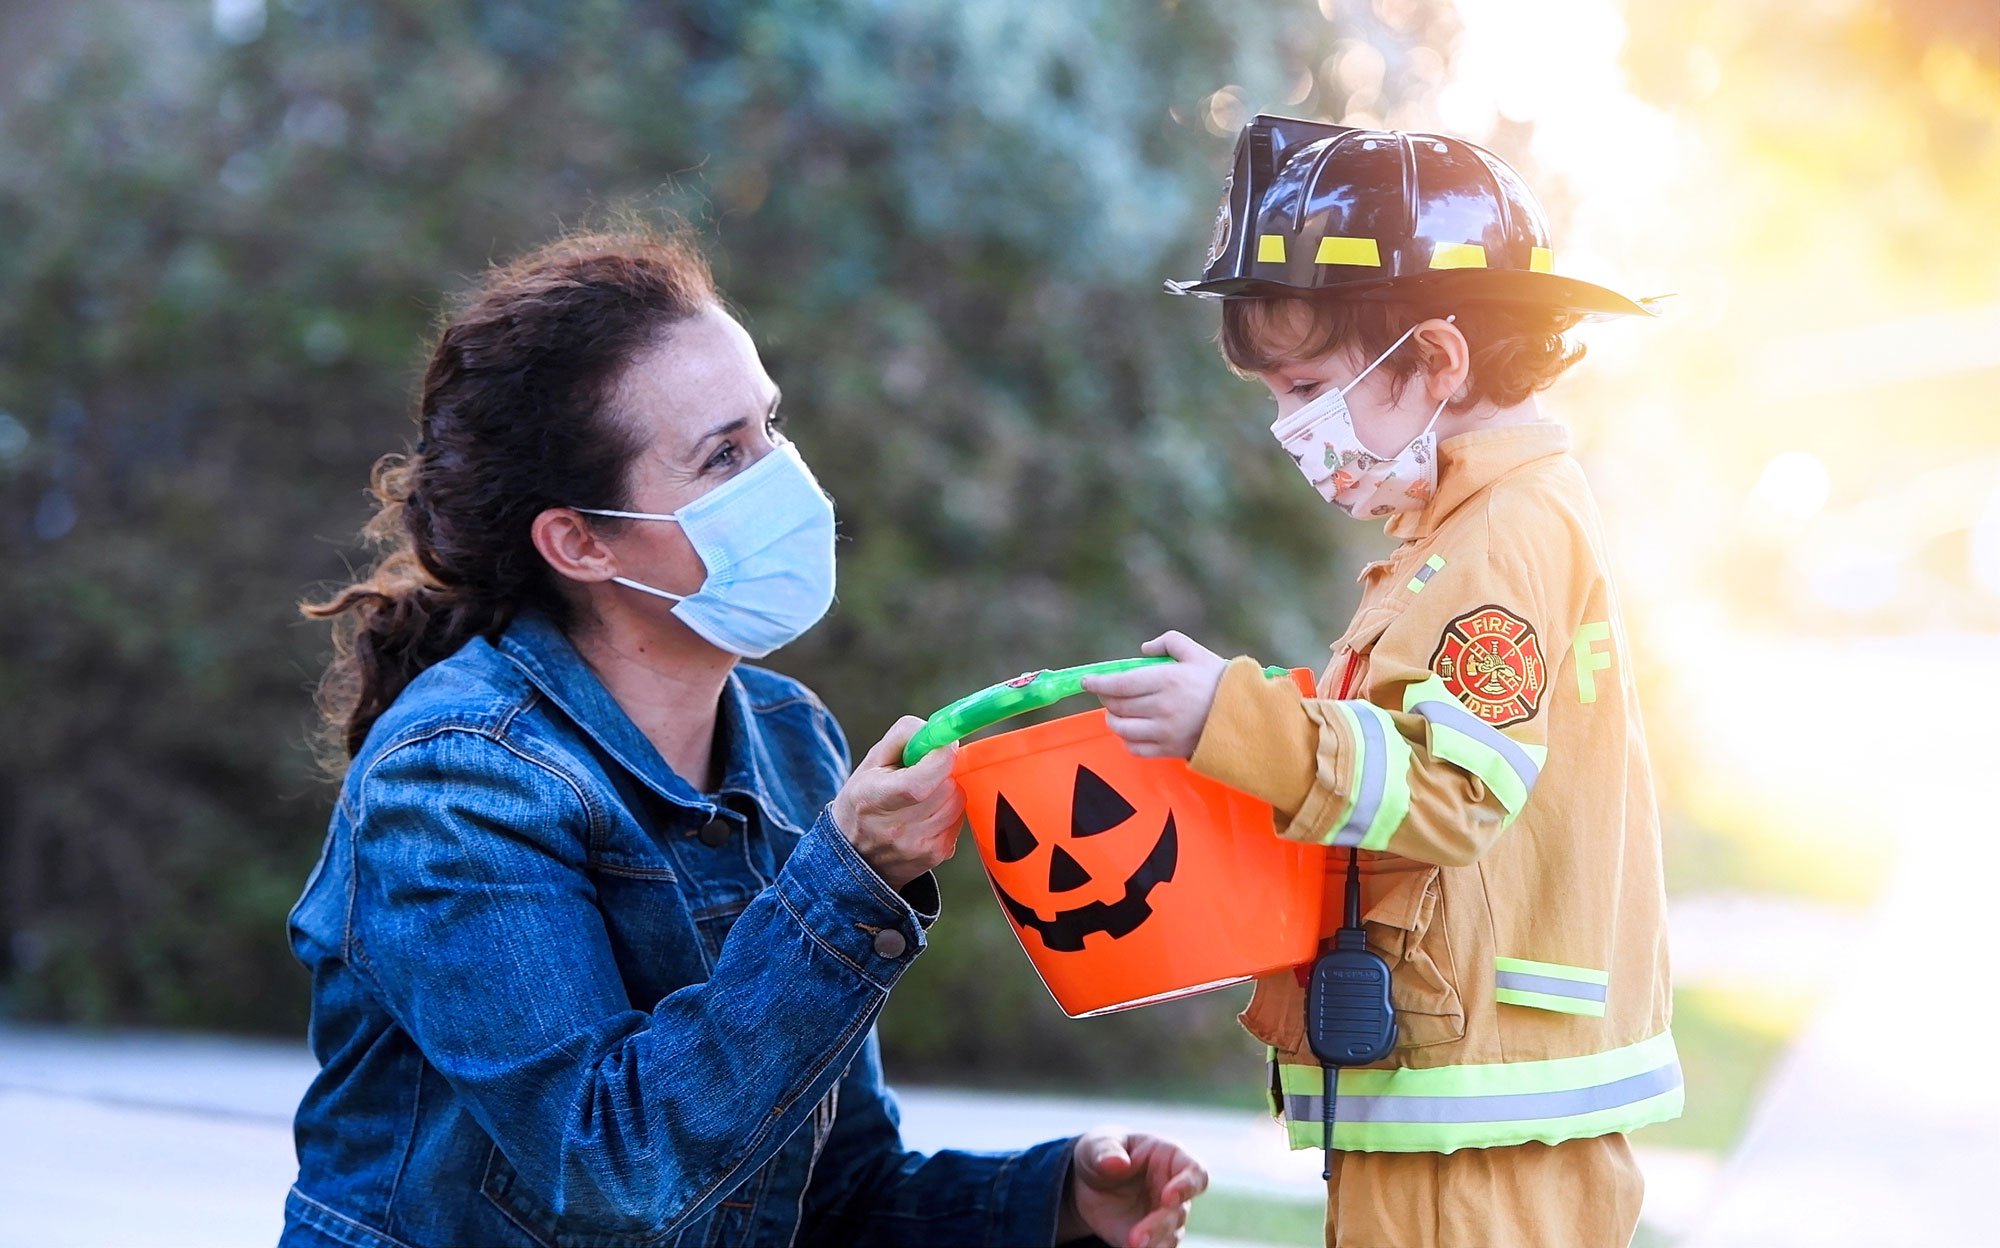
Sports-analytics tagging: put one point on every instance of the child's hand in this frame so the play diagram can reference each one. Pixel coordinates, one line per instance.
(1159, 711)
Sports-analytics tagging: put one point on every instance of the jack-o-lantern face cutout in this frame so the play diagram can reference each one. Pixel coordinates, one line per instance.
(1095, 808)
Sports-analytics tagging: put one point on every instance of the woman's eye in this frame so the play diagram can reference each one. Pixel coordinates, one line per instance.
(724, 456)
(774, 422)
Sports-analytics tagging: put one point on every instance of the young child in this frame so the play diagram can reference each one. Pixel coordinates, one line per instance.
(1477, 739)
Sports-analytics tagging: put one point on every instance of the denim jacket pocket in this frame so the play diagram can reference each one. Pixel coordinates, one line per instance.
(502, 1187)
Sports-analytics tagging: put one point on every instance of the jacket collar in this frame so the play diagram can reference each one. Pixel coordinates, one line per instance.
(1470, 462)
(544, 652)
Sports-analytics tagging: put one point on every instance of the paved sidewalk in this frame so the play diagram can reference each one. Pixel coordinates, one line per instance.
(146, 1140)
(1882, 1126)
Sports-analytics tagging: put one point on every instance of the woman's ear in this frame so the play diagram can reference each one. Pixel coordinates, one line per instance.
(569, 545)
(1447, 358)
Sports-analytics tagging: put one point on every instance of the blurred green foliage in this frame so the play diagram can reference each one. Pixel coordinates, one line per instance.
(224, 233)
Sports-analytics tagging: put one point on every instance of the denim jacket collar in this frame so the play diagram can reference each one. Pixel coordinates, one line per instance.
(542, 650)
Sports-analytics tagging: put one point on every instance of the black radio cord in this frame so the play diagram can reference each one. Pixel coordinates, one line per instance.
(1331, 1074)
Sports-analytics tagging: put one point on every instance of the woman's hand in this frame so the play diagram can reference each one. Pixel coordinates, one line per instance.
(901, 820)
(1129, 1190)
(1159, 711)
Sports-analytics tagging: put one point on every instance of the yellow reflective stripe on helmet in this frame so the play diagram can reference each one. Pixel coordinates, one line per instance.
(1541, 260)
(1458, 256)
(1379, 782)
(1508, 767)
(1487, 1105)
(1337, 250)
(1270, 249)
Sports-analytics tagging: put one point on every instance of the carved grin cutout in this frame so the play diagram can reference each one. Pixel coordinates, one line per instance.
(1095, 808)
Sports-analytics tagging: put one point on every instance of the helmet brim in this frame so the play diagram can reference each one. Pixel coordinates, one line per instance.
(1550, 290)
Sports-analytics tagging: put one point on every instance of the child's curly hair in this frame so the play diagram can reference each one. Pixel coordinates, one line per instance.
(1517, 349)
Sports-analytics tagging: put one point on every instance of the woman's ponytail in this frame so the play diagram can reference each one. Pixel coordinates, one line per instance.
(515, 416)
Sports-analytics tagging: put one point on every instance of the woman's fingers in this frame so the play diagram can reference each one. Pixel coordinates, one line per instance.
(889, 750)
(1159, 1229)
(939, 812)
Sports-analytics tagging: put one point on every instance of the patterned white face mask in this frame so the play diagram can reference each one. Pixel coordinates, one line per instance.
(1320, 438)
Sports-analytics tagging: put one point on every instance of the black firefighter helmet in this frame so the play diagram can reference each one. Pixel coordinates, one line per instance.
(1384, 214)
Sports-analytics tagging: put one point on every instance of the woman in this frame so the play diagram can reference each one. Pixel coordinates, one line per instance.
(603, 923)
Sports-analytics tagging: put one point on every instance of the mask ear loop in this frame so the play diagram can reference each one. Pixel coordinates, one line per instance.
(627, 581)
(1391, 351)
(644, 588)
(1432, 424)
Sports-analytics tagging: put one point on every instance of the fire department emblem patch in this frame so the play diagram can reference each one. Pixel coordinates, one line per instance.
(1491, 662)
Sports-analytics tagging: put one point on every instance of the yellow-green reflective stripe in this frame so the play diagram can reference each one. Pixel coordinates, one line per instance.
(1565, 989)
(1448, 1107)
(1354, 769)
(1381, 792)
(1462, 739)
(1432, 566)
(1304, 1131)
(1554, 970)
(1559, 1004)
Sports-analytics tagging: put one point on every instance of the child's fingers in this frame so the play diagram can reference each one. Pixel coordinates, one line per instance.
(1177, 645)
(1133, 731)
(1145, 706)
(1135, 683)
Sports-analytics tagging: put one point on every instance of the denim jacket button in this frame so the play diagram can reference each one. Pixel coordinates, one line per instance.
(890, 943)
(715, 832)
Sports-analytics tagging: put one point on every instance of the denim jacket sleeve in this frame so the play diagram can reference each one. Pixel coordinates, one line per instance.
(473, 918)
(868, 1189)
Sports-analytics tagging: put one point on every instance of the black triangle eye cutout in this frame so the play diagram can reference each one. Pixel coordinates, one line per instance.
(1065, 873)
(1096, 806)
(1012, 841)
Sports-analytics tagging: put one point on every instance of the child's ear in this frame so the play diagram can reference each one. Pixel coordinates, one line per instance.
(1447, 357)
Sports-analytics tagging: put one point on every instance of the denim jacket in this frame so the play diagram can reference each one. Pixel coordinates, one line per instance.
(562, 998)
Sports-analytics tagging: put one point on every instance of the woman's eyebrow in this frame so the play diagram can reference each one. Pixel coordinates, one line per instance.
(733, 426)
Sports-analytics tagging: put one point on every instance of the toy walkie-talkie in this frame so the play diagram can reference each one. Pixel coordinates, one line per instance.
(1349, 1020)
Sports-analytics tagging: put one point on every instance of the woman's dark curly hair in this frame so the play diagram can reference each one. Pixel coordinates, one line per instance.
(516, 415)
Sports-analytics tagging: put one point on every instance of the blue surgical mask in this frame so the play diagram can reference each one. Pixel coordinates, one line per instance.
(765, 537)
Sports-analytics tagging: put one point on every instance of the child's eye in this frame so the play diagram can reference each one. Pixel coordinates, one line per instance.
(1303, 389)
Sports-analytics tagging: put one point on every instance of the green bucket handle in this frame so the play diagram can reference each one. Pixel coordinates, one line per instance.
(1030, 691)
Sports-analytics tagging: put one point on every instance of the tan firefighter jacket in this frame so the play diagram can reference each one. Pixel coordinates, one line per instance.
(1477, 740)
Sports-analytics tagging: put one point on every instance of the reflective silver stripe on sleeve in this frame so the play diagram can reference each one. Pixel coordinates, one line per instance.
(1453, 715)
(1550, 985)
(1373, 762)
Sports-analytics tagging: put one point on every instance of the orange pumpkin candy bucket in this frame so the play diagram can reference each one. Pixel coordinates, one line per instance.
(1127, 880)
